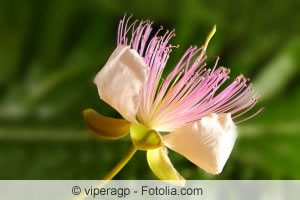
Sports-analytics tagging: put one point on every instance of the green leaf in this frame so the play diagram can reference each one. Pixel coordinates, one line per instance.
(144, 138)
(280, 70)
(105, 127)
(162, 167)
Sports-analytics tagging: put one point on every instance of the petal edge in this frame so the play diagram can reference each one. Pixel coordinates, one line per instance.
(120, 81)
(207, 142)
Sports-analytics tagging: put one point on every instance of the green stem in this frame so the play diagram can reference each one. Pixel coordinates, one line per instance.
(112, 172)
(120, 164)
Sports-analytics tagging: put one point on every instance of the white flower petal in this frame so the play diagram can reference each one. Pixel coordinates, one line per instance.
(120, 81)
(207, 142)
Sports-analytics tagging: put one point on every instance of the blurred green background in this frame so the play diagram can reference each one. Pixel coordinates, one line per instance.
(51, 50)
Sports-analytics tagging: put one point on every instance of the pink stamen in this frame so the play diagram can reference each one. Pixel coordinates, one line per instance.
(190, 91)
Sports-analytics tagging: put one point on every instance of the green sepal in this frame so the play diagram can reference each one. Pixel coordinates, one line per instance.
(162, 167)
(106, 127)
(144, 138)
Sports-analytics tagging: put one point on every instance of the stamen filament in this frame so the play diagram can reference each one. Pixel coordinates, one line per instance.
(190, 91)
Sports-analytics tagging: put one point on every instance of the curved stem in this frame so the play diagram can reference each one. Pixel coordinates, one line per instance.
(112, 172)
(120, 164)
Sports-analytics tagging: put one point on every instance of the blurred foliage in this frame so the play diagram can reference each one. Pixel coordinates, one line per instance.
(51, 50)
